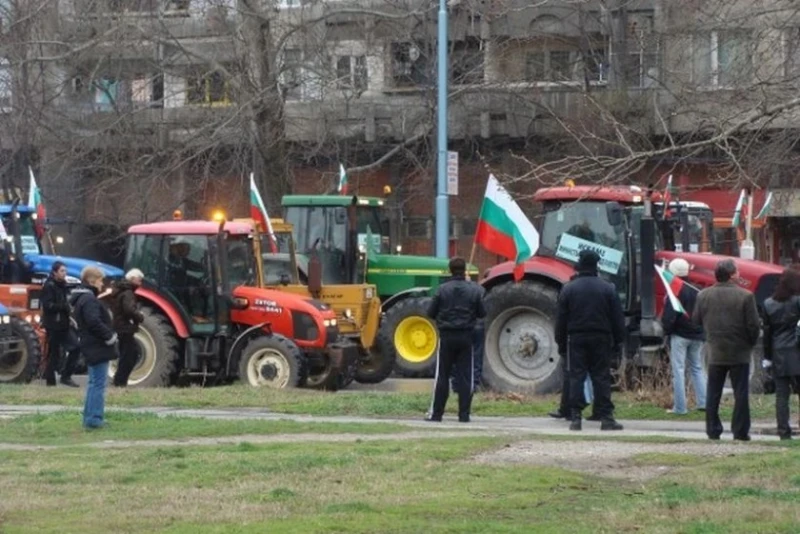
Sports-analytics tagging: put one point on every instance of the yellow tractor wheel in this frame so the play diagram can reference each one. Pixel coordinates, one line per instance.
(414, 336)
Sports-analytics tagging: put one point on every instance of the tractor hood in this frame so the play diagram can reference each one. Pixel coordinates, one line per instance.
(541, 266)
(757, 276)
(412, 265)
(41, 265)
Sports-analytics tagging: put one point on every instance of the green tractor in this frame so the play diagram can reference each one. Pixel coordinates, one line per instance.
(350, 235)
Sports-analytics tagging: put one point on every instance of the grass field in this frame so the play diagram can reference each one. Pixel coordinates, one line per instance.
(381, 487)
(629, 406)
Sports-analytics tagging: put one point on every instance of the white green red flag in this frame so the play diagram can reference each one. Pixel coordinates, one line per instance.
(740, 213)
(668, 198)
(36, 203)
(674, 284)
(342, 180)
(258, 212)
(504, 229)
(766, 206)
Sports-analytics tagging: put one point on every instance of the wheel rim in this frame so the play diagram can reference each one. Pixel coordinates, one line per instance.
(12, 365)
(145, 361)
(415, 339)
(520, 341)
(268, 367)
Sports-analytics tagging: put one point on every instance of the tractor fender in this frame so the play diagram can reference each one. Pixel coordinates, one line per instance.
(408, 293)
(552, 270)
(242, 339)
(165, 307)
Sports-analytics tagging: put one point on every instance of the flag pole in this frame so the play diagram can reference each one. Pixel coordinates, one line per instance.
(472, 252)
(748, 249)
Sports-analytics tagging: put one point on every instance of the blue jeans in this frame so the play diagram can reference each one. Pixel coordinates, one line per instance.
(95, 404)
(683, 352)
(588, 390)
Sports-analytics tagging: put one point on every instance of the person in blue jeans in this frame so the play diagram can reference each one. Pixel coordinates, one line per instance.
(685, 343)
(97, 341)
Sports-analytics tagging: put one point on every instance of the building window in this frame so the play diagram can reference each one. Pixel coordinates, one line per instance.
(106, 93)
(299, 80)
(550, 66)
(6, 86)
(792, 53)
(595, 65)
(466, 62)
(411, 65)
(210, 89)
(418, 227)
(147, 91)
(351, 73)
(722, 58)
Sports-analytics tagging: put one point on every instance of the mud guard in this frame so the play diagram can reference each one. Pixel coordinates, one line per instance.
(408, 293)
(240, 342)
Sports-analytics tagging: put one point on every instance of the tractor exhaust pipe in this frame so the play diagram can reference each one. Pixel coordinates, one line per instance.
(650, 331)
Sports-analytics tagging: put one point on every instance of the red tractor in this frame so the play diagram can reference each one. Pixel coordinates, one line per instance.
(520, 351)
(205, 322)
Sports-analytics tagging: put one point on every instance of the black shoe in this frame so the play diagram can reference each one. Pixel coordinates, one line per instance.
(610, 424)
(594, 417)
(69, 382)
(433, 419)
(785, 437)
(463, 419)
(557, 414)
(51, 384)
(741, 438)
(576, 425)
(714, 438)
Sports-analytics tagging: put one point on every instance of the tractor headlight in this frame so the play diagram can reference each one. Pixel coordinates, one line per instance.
(6, 319)
(37, 318)
(369, 293)
(329, 322)
(348, 313)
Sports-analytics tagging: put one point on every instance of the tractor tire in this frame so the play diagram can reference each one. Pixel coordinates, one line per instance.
(414, 337)
(377, 364)
(20, 367)
(272, 361)
(520, 350)
(159, 356)
(330, 380)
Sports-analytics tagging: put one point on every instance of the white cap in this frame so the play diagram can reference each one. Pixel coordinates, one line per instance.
(679, 267)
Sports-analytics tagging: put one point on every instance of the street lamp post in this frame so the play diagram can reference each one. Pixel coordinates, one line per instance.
(442, 202)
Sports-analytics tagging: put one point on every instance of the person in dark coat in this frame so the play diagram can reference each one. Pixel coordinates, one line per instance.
(685, 343)
(98, 342)
(126, 320)
(55, 319)
(455, 307)
(781, 351)
(589, 326)
(729, 317)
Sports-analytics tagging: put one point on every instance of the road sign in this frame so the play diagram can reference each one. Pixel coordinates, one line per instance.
(452, 173)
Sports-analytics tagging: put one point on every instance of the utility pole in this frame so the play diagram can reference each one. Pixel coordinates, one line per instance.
(442, 200)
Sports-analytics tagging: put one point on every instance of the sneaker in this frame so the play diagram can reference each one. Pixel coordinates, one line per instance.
(673, 412)
(610, 424)
(433, 419)
(575, 425)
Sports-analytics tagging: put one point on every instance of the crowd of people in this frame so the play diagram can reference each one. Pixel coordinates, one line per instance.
(96, 322)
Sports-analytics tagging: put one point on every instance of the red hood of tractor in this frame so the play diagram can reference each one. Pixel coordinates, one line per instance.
(538, 265)
(701, 270)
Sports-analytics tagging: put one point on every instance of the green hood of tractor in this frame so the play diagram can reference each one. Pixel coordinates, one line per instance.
(397, 273)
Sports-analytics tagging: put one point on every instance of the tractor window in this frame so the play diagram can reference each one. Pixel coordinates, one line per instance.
(27, 231)
(325, 227)
(277, 266)
(188, 275)
(241, 269)
(143, 252)
(568, 228)
(370, 218)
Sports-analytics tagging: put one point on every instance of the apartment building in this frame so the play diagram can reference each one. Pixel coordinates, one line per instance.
(156, 103)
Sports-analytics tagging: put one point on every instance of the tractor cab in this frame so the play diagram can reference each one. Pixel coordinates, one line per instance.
(193, 265)
(687, 227)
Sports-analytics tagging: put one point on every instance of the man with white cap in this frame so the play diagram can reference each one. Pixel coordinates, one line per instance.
(685, 342)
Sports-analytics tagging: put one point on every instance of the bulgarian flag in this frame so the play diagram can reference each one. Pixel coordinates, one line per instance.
(673, 285)
(35, 202)
(668, 198)
(765, 207)
(258, 212)
(342, 180)
(740, 213)
(503, 228)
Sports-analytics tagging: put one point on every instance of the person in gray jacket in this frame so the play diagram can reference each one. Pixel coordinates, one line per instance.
(781, 351)
(729, 317)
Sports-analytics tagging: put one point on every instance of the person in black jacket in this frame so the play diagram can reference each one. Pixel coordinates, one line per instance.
(685, 343)
(126, 319)
(589, 326)
(98, 342)
(456, 306)
(55, 319)
(781, 351)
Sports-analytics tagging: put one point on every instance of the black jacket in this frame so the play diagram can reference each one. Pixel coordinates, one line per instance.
(125, 313)
(780, 341)
(457, 305)
(98, 340)
(680, 324)
(589, 305)
(55, 305)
